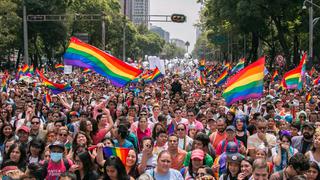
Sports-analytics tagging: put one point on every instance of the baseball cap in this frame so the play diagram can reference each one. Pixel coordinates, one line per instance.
(24, 128)
(231, 128)
(308, 124)
(232, 148)
(57, 144)
(234, 158)
(197, 153)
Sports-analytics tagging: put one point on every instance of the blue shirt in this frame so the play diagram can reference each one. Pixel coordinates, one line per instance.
(126, 144)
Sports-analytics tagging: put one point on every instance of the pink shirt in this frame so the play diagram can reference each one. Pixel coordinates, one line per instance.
(99, 136)
(141, 135)
(54, 170)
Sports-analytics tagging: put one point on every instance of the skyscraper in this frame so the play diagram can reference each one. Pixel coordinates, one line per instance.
(137, 11)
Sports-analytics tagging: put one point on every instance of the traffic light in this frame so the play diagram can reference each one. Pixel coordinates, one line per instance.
(178, 18)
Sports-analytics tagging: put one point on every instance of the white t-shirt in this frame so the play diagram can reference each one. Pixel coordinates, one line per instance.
(171, 174)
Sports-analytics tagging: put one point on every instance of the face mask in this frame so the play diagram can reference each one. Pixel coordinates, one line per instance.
(55, 157)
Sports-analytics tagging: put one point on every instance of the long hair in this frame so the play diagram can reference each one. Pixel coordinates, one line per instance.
(228, 173)
(85, 158)
(115, 162)
(2, 136)
(315, 166)
(75, 144)
(37, 143)
(23, 155)
(134, 169)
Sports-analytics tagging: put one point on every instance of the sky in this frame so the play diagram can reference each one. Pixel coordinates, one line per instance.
(184, 31)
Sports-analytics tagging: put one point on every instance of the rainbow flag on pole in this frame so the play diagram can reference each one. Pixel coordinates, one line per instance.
(86, 70)
(275, 76)
(155, 75)
(122, 153)
(293, 79)
(25, 69)
(84, 55)
(247, 83)
(59, 66)
(202, 80)
(54, 87)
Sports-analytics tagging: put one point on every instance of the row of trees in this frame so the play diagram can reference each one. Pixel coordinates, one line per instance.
(50, 39)
(255, 27)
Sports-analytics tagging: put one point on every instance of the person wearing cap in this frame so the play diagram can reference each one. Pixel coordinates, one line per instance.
(197, 161)
(303, 143)
(219, 166)
(201, 141)
(57, 163)
(231, 137)
(23, 135)
(233, 167)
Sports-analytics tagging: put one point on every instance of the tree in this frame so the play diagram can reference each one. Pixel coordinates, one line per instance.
(171, 51)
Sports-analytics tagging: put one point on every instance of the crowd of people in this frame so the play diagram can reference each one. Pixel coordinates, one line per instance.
(175, 128)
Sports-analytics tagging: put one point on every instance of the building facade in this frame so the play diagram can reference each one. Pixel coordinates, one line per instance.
(161, 32)
(137, 11)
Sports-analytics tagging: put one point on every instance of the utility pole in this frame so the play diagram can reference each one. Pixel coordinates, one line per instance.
(103, 29)
(25, 34)
(124, 31)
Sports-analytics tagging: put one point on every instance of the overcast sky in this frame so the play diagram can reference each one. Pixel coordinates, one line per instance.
(185, 31)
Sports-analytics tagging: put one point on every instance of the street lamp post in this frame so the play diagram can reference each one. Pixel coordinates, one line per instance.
(312, 22)
(25, 35)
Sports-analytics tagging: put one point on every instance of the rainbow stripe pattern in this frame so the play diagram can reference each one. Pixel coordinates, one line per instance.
(247, 83)
(59, 66)
(202, 63)
(155, 75)
(31, 70)
(86, 70)
(275, 76)
(293, 78)
(25, 69)
(308, 97)
(46, 98)
(54, 87)
(122, 153)
(84, 55)
(316, 81)
(222, 78)
(202, 80)
(239, 66)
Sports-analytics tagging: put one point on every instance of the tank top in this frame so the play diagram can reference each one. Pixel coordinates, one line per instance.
(243, 139)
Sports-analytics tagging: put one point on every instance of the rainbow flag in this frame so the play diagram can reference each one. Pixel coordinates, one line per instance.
(275, 76)
(25, 69)
(293, 79)
(155, 75)
(308, 97)
(316, 81)
(122, 153)
(202, 63)
(222, 78)
(239, 66)
(87, 56)
(86, 70)
(202, 80)
(55, 87)
(31, 70)
(46, 98)
(247, 83)
(59, 66)
(4, 84)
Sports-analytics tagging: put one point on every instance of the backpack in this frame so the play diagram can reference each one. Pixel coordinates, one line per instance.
(45, 166)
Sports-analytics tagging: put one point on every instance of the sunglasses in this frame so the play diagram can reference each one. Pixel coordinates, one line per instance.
(35, 122)
(143, 114)
(65, 135)
(180, 129)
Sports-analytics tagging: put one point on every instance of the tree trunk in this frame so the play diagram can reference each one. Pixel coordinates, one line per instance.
(254, 47)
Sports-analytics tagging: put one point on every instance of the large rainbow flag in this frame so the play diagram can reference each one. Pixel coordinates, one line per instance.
(293, 79)
(247, 83)
(54, 87)
(122, 153)
(84, 55)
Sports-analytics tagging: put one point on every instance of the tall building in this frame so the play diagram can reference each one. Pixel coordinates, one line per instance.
(137, 11)
(179, 43)
(161, 32)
